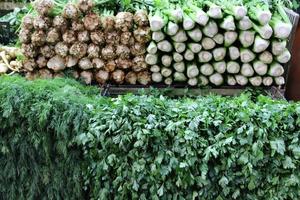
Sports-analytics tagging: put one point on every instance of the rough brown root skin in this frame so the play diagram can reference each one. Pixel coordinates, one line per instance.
(53, 36)
(60, 23)
(38, 38)
(83, 36)
(123, 52)
(78, 49)
(85, 64)
(57, 63)
(71, 61)
(118, 76)
(85, 5)
(139, 64)
(41, 61)
(112, 37)
(131, 78)
(41, 23)
(110, 66)
(98, 63)
(61, 49)
(70, 11)
(29, 50)
(43, 7)
(108, 52)
(25, 36)
(29, 65)
(47, 51)
(142, 34)
(140, 18)
(69, 37)
(98, 37)
(77, 25)
(27, 22)
(124, 21)
(138, 49)
(91, 21)
(144, 78)
(31, 75)
(93, 51)
(127, 38)
(45, 74)
(87, 77)
(108, 23)
(124, 63)
(102, 77)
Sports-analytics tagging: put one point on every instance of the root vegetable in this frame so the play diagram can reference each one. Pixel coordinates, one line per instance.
(108, 52)
(57, 63)
(61, 49)
(41, 62)
(53, 36)
(102, 77)
(98, 37)
(38, 38)
(139, 64)
(110, 66)
(47, 51)
(60, 23)
(131, 78)
(93, 51)
(142, 34)
(27, 22)
(124, 21)
(41, 23)
(70, 12)
(144, 78)
(29, 65)
(45, 74)
(138, 49)
(25, 36)
(124, 63)
(87, 77)
(3, 68)
(85, 63)
(69, 37)
(29, 50)
(83, 36)
(78, 49)
(118, 76)
(108, 23)
(123, 52)
(112, 37)
(71, 61)
(140, 18)
(85, 5)
(98, 63)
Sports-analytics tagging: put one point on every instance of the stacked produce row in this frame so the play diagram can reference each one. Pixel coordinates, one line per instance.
(219, 43)
(95, 48)
(195, 43)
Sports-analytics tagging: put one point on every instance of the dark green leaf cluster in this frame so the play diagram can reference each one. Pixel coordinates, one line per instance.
(60, 140)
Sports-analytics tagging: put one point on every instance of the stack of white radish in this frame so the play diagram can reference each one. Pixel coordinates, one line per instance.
(218, 42)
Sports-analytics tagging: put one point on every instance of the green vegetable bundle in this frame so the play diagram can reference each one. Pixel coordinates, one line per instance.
(210, 42)
(60, 140)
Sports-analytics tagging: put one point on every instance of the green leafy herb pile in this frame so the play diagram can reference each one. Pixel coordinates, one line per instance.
(60, 140)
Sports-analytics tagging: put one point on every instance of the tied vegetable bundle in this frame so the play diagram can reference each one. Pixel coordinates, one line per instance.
(241, 42)
(83, 41)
